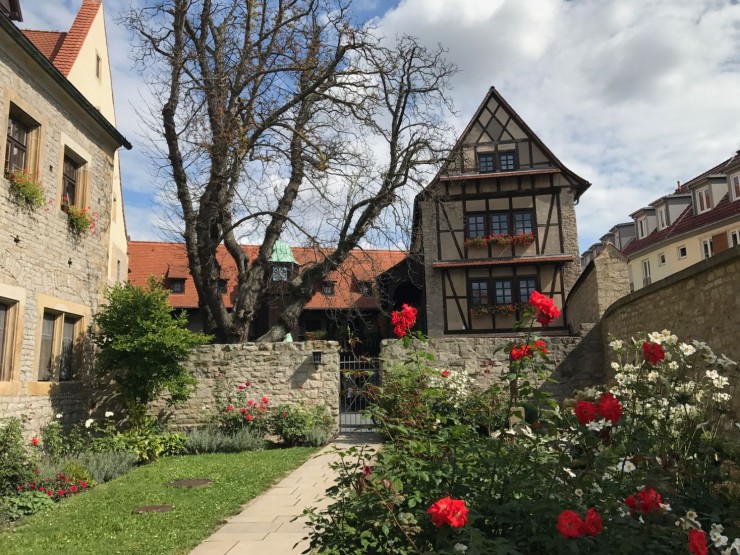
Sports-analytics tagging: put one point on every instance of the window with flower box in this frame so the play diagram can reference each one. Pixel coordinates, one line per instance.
(475, 225)
(21, 144)
(498, 223)
(500, 296)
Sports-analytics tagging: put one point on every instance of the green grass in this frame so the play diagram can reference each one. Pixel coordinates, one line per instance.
(100, 522)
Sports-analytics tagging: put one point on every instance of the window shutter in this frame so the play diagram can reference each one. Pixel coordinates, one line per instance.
(720, 243)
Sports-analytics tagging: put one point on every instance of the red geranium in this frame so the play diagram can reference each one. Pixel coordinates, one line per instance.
(249, 417)
(609, 407)
(570, 525)
(444, 373)
(541, 346)
(593, 525)
(403, 320)
(521, 351)
(546, 309)
(697, 542)
(265, 400)
(652, 352)
(243, 410)
(35, 441)
(449, 511)
(585, 412)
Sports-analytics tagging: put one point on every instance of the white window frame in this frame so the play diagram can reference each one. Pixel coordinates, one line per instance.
(661, 259)
(735, 186)
(703, 200)
(733, 238)
(642, 228)
(678, 252)
(706, 248)
(646, 273)
(663, 218)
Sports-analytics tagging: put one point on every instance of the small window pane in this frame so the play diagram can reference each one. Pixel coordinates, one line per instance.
(17, 146)
(46, 348)
(70, 180)
(177, 285)
(476, 225)
(479, 293)
(503, 291)
(66, 364)
(279, 273)
(485, 163)
(328, 288)
(3, 326)
(507, 161)
(500, 224)
(526, 287)
(522, 222)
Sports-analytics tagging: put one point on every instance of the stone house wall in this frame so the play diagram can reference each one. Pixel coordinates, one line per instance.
(283, 372)
(43, 266)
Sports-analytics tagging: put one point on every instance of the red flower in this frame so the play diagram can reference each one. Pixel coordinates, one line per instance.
(541, 346)
(83, 484)
(60, 493)
(366, 471)
(38, 471)
(648, 501)
(444, 373)
(243, 410)
(652, 352)
(449, 511)
(570, 525)
(240, 387)
(521, 351)
(593, 525)
(48, 492)
(546, 309)
(264, 400)
(249, 417)
(20, 488)
(609, 407)
(73, 488)
(631, 502)
(42, 489)
(35, 441)
(285, 414)
(247, 383)
(697, 542)
(230, 408)
(585, 412)
(403, 320)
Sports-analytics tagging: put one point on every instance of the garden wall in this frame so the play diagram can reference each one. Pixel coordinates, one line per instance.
(573, 363)
(284, 372)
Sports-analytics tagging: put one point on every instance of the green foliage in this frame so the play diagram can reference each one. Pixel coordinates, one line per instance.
(142, 346)
(53, 442)
(104, 466)
(26, 190)
(214, 440)
(76, 471)
(81, 220)
(16, 466)
(295, 425)
(15, 507)
(145, 440)
(241, 406)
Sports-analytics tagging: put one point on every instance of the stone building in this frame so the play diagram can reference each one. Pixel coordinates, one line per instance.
(57, 107)
(497, 223)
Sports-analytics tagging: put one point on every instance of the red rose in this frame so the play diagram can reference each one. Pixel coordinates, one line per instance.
(650, 500)
(444, 373)
(609, 407)
(652, 352)
(570, 525)
(249, 417)
(366, 471)
(264, 400)
(593, 525)
(585, 412)
(240, 387)
(230, 408)
(48, 492)
(60, 493)
(285, 414)
(250, 403)
(546, 309)
(631, 502)
(521, 351)
(73, 488)
(403, 320)
(243, 410)
(38, 471)
(697, 542)
(19, 488)
(35, 441)
(449, 511)
(83, 484)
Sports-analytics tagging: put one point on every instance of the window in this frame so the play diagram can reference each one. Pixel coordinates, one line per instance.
(98, 65)
(500, 223)
(661, 259)
(735, 238)
(5, 340)
(177, 285)
(476, 225)
(366, 288)
(503, 291)
(222, 283)
(327, 288)
(706, 248)
(704, 199)
(279, 273)
(479, 292)
(645, 273)
(642, 227)
(522, 222)
(16, 150)
(70, 182)
(735, 186)
(507, 161)
(526, 287)
(57, 353)
(681, 252)
(485, 163)
(662, 218)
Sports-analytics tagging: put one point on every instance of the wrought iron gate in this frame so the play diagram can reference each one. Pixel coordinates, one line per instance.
(355, 375)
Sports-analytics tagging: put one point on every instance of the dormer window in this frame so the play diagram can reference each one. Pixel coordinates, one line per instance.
(177, 285)
(507, 161)
(485, 163)
(735, 186)
(662, 218)
(327, 288)
(704, 200)
(642, 228)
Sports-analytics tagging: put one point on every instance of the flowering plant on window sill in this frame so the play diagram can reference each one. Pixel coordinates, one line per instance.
(25, 189)
(500, 240)
(522, 238)
(81, 220)
(498, 309)
(476, 242)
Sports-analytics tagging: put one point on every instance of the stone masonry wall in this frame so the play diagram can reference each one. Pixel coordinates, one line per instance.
(284, 372)
(476, 357)
(42, 264)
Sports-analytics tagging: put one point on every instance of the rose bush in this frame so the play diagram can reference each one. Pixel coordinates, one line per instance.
(637, 465)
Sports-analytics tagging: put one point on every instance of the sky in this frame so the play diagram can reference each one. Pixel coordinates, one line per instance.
(632, 95)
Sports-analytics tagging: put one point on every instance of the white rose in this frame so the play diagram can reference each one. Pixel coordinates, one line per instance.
(108, 414)
(89, 422)
(59, 416)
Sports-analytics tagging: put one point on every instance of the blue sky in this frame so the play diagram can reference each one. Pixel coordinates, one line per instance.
(631, 95)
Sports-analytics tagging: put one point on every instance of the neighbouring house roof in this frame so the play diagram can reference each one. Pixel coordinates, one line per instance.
(717, 170)
(63, 48)
(686, 222)
(158, 259)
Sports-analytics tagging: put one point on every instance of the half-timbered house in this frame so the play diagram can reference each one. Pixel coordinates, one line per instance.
(496, 223)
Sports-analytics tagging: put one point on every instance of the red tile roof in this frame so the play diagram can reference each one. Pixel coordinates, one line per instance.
(170, 260)
(61, 48)
(484, 262)
(687, 222)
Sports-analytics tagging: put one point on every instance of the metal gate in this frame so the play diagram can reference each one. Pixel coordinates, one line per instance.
(355, 375)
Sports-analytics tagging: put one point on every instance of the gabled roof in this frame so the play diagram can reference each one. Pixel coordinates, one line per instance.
(62, 48)
(170, 260)
(581, 184)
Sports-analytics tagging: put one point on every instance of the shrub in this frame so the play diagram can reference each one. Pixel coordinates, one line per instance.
(15, 507)
(302, 426)
(214, 440)
(15, 464)
(76, 471)
(104, 466)
(239, 406)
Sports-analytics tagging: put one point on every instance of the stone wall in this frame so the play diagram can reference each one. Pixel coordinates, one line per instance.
(602, 283)
(284, 372)
(573, 368)
(701, 302)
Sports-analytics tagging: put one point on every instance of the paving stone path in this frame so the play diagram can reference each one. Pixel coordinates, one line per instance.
(266, 525)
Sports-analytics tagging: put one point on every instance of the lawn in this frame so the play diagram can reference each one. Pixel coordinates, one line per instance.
(101, 521)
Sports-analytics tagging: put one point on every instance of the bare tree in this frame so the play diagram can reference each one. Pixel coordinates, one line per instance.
(285, 117)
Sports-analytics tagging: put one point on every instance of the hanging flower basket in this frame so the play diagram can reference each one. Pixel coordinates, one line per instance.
(81, 220)
(25, 189)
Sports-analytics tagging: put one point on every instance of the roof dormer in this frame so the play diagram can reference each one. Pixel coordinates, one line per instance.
(645, 221)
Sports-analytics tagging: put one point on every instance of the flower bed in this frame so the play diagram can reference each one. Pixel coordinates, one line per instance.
(636, 465)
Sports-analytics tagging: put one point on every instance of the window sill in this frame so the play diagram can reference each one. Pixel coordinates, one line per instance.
(10, 388)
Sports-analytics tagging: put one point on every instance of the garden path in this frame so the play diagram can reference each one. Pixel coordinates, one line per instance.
(266, 524)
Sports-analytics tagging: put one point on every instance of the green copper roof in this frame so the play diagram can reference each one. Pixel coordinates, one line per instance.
(281, 253)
